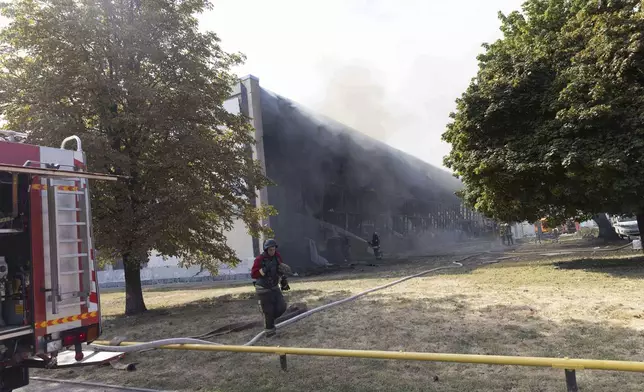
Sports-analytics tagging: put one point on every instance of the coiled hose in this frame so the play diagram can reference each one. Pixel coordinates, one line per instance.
(150, 345)
(171, 341)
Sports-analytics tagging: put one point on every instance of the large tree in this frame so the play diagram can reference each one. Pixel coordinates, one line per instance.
(552, 124)
(144, 89)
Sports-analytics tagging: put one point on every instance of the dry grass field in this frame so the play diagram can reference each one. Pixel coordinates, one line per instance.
(582, 304)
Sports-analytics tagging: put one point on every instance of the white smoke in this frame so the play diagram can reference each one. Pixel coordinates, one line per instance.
(355, 96)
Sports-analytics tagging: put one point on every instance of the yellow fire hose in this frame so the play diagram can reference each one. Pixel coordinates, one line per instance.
(559, 363)
(569, 365)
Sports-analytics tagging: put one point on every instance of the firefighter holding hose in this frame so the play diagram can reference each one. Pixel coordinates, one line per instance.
(269, 272)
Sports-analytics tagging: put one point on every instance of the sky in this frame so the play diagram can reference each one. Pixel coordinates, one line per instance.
(391, 69)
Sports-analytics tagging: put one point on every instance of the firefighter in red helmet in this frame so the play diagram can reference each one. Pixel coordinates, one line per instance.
(269, 272)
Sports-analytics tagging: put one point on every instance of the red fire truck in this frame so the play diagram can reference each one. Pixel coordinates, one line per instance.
(49, 299)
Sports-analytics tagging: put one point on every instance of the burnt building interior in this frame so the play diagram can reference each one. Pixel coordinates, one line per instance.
(335, 186)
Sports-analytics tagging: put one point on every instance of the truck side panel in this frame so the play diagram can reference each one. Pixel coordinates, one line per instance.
(38, 257)
(18, 154)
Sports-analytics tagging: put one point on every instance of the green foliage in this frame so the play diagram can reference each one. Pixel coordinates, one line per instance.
(552, 125)
(144, 89)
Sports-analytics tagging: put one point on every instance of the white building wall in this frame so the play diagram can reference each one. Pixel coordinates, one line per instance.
(522, 230)
(160, 270)
(591, 224)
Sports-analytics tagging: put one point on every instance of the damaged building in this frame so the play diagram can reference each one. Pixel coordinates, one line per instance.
(335, 186)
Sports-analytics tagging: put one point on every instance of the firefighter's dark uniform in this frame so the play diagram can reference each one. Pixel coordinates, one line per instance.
(267, 286)
(375, 240)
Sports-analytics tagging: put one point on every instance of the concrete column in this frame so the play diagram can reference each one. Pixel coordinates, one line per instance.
(252, 107)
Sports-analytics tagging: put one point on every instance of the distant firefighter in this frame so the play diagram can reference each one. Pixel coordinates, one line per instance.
(508, 234)
(538, 230)
(346, 248)
(375, 245)
(375, 240)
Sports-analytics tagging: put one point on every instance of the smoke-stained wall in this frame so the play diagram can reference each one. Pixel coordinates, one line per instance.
(326, 173)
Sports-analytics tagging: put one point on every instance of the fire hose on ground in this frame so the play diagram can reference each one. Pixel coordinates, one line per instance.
(115, 347)
(105, 346)
(569, 365)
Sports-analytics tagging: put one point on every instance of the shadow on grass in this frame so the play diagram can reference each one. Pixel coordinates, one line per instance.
(398, 269)
(201, 316)
(197, 286)
(627, 267)
(573, 244)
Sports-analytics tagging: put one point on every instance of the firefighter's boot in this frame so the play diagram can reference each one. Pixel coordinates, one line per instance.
(270, 332)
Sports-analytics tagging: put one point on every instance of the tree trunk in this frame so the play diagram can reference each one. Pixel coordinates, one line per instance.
(134, 303)
(606, 230)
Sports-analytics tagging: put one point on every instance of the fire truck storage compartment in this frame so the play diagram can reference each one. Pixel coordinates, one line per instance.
(15, 252)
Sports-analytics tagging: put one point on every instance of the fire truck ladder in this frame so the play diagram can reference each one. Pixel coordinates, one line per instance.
(56, 225)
